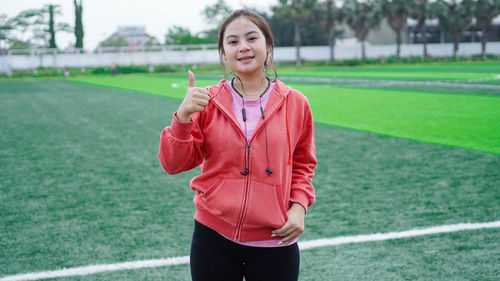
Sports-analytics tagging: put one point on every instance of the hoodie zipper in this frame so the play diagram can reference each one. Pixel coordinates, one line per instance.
(239, 224)
(245, 195)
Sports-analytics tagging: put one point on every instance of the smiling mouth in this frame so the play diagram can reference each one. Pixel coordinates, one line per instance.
(245, 58)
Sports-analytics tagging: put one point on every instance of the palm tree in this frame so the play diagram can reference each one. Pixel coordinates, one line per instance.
(334, 15)
(299, 11)
(486, 11)
(455, 16)
(397, 12)
(421, 11)
(361, 17)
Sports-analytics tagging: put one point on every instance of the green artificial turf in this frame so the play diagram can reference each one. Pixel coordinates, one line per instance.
(431, 72)
(467, 121)
(81, 185)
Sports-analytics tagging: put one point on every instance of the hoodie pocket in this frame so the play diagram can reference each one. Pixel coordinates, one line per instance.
(224, 198)
(265, 206)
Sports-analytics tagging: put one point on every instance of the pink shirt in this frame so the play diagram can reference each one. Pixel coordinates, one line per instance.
(252, 108)
(253, 115)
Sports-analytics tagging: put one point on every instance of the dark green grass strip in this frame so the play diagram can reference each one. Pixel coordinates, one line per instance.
(456, 256)
(472, 122)
(81, 185)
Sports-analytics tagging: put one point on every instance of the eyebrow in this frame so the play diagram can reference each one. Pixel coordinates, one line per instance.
(246, 34)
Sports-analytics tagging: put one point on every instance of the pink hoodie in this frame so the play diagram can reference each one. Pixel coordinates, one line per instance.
(245, 207)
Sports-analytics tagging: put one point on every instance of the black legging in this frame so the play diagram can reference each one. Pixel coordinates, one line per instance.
(216, 258)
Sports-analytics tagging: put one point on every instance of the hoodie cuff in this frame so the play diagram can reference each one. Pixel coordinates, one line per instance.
(179, 129)
(301, 198)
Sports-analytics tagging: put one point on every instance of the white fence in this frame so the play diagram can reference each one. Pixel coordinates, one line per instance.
(209, 55)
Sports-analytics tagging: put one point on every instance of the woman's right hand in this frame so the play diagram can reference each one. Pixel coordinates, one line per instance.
(196, 99)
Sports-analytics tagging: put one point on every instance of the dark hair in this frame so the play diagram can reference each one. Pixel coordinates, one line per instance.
(261, 23)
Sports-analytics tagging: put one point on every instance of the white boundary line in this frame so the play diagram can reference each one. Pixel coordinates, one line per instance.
(306, 245)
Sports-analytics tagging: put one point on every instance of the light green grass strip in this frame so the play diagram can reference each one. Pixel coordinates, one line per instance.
(167, 86)
(467, 121)
(395, 74)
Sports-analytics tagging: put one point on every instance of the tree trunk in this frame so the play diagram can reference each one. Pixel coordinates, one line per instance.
(331, 42)
(424, 37)
(363, 54)
(398, 43)
(455, 45)
(483, 43)
(52, 31)
(297, 42)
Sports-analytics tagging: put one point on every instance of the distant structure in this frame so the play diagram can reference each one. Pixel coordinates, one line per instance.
(132, 38)
(134, 35)
(436, 35)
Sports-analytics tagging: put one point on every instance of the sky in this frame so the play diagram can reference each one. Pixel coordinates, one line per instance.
(102, 17)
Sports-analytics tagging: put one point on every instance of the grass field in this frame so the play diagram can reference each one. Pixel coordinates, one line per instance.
(81, 183)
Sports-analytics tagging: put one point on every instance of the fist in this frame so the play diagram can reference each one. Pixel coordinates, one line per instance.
(196, 99)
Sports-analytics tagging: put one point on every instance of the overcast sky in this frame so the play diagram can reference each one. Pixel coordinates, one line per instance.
(101, 17)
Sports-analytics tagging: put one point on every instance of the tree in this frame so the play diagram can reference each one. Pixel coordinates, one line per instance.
(40, 26)
(5, 31)
(181, 35)
(361, 16)
(78, 24)
(214, 15)
(298, 11)
(455, 16)
(485, 12)
(397, 12)
(334, 16)
(421, 12)
(114, 41)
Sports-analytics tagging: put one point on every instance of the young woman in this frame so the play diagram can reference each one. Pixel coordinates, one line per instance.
(254, 140)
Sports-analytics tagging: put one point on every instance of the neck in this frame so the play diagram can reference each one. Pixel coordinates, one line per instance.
(252, 87)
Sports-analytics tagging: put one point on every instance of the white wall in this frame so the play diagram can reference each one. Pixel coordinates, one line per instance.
(211, 56)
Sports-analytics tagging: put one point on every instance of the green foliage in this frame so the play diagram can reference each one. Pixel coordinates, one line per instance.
(216, 13)
(79, 33)
(178, 35)
(40, 25)
(361, 17)
(486, 11)
(397, 12)
(113, 41)
(454, 17)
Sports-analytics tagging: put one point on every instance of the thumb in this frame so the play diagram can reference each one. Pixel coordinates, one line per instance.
(191, 79)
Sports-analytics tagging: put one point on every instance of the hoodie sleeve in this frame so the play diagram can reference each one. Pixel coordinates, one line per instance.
(181, 145)
(304, 162)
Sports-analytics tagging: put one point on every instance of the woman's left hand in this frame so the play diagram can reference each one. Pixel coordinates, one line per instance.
(294, 227)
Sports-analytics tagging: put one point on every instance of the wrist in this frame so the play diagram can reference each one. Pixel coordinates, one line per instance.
(296, 207)
(183, 117)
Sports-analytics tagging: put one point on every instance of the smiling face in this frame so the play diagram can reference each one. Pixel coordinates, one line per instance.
(244, 47)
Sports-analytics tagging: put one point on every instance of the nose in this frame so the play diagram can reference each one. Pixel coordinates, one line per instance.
(244, 46)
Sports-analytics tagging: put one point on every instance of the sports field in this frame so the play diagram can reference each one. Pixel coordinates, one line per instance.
(410, 152)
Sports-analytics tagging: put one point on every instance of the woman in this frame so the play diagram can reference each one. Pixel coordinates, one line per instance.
(254, 140)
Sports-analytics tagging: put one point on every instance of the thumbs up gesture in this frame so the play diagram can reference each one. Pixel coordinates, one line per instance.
(196, 99)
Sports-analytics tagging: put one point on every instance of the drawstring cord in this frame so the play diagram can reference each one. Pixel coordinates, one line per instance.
(247, 148)
(268, 170)
(288, 132)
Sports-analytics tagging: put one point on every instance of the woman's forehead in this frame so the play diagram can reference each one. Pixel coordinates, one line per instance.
(241, 27)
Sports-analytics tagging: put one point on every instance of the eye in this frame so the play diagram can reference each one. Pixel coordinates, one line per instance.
(232, 42)
(252, 39)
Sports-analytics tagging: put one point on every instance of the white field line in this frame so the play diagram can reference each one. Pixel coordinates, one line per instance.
(92, 269)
